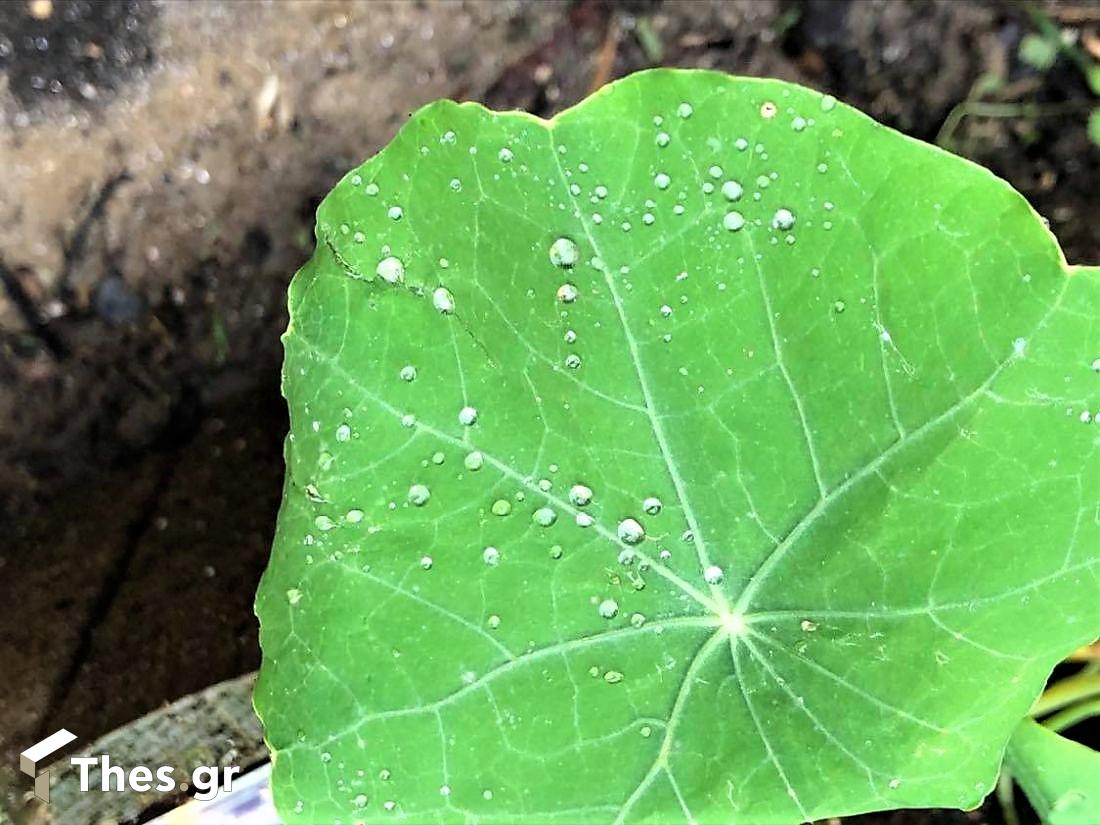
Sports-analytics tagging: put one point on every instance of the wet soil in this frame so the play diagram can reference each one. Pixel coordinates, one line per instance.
(161, 163)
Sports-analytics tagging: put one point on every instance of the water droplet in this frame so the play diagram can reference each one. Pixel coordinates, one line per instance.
(389, 804)
(419, 495)
(408, 373)
(494, 621)
(426, 562)
(822, 168)
(713, 575)
(663, 139)
(808, 626)
(715, 172)
(443, 300)
(838, 307)
(353, 516)
(613, 677)
(343, 432)
(828, 102)
(501, 507)
(637, 620)
(783, 219)
(544, 517)
(505, 155)
(573, 361)
(894, 784)
(467, 416)
(360, 801)
(630, 531)
(646, 731)
(395, 213)
(733, 221)
(570, 336)
(294, 595)
(390, 270)
(567, 293)
(556, 552)
(326, 757)
(486, 794)
(564, 253)
(608, 609)
(684, 110)
(491, 556)
(324, 523)
(652, 505)
(798, 124)
(768, 110)
(456, 184)
(585, 520)
(661, 180)
(601, 192)
(474, 461)
(438, 458)
(732, 190)
(1096, 365)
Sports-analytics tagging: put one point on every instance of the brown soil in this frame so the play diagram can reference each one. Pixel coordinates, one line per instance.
(161, 163)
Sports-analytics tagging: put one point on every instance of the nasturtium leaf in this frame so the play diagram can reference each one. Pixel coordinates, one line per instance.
(1060, 777)
(707, 453)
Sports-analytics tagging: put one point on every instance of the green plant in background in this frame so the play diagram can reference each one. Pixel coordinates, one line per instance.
(1039, 50)
(707, 453)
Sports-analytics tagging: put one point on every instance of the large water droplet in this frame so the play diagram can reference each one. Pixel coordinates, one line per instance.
(564, 253)
(733, 221)
(544, 517)
(732, 190)
(580, 495)
(783, 219)
(630, 531)
(443, 300)
(419, 495)
(390, 270)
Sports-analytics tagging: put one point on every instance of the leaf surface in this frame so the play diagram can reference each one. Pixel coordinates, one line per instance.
(707, 453)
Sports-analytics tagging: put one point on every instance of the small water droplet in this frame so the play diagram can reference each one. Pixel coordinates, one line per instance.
(684, 110)
(293, 596)
(573, 361)
(661, 180)
(494, 621)
(608, 609)
(501, 507)
(467, 416)
(426, 562)
(828, 102)
(613, 677)
(505, 155)
(395, 213)
(652, 505)
(474, 461)
(637, 620)
(808, 626)
(353, 516)
(713, 575)
(371, 189)
(491, 556)
(343, 432)
(768, 110)
(408, 373)
(663, 139)
(798, 124)
(544, 517)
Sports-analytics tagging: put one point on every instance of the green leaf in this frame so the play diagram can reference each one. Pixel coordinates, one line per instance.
(839, 378)
(1094, 126)
(1060, 777)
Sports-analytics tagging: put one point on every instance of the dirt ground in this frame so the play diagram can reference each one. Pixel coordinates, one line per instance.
(160, 165)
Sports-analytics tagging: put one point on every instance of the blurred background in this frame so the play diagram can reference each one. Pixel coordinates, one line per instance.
(160, 164)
